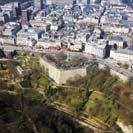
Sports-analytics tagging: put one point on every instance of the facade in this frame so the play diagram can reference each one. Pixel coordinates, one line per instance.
(83, 37)
(84, 2)
(94, 1)
(25, 41)
(122, 55)
(60, 2)
(122, 74)
(97, 50)
(40, 25)
(114, 29)
(24, 17)
(48, 43)
(7, 40)
(25, 5)
(89, 20)
(38, 4)
(31, 33)
(11, 29)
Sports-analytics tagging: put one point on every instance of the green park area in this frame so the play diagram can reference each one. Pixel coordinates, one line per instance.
(100, 106)
(37, 79)
(98, 94)
(23, 108)
(27, 60)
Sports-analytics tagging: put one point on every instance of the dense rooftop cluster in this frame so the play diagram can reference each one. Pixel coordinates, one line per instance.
(103, 28)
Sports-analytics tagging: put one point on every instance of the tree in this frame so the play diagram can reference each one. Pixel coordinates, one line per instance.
(61, 56)
(115, 93)
(2, 54)
(115, 46)
(97, 108)
(3, 85)
(125, 45)
(102, 34)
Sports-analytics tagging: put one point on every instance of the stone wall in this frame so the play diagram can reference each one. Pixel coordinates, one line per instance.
(60, 76)
(6, 40)
(94, 50)
(121, 56)
(125, 128)
(115, 72)
(121, 76)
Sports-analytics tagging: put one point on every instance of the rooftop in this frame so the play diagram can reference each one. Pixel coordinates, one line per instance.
(66, 60)
(29, 31)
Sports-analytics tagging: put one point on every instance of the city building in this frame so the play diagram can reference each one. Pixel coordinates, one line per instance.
(24, 17)
(57, 73)
(122, 55)
(8, 40)
(48, 43)
(31, 33)
(11, 29)
(38, 4)
(97, 50)
(59, 2)
(40, 25)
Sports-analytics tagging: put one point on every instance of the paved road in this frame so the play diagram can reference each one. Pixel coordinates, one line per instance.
(31, 49)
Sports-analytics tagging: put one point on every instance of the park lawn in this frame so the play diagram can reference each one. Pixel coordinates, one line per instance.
(104, 111)
(69, 100)
(33, 60)
(44, 83)
(118, 83)
(92, 101)
(32, 93)
(21, 59)
(68, 96)
(27, 61)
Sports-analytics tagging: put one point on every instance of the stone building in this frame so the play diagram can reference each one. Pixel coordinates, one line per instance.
(60, 75)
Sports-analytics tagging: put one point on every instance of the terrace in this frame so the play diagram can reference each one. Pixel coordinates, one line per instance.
(67, 60)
